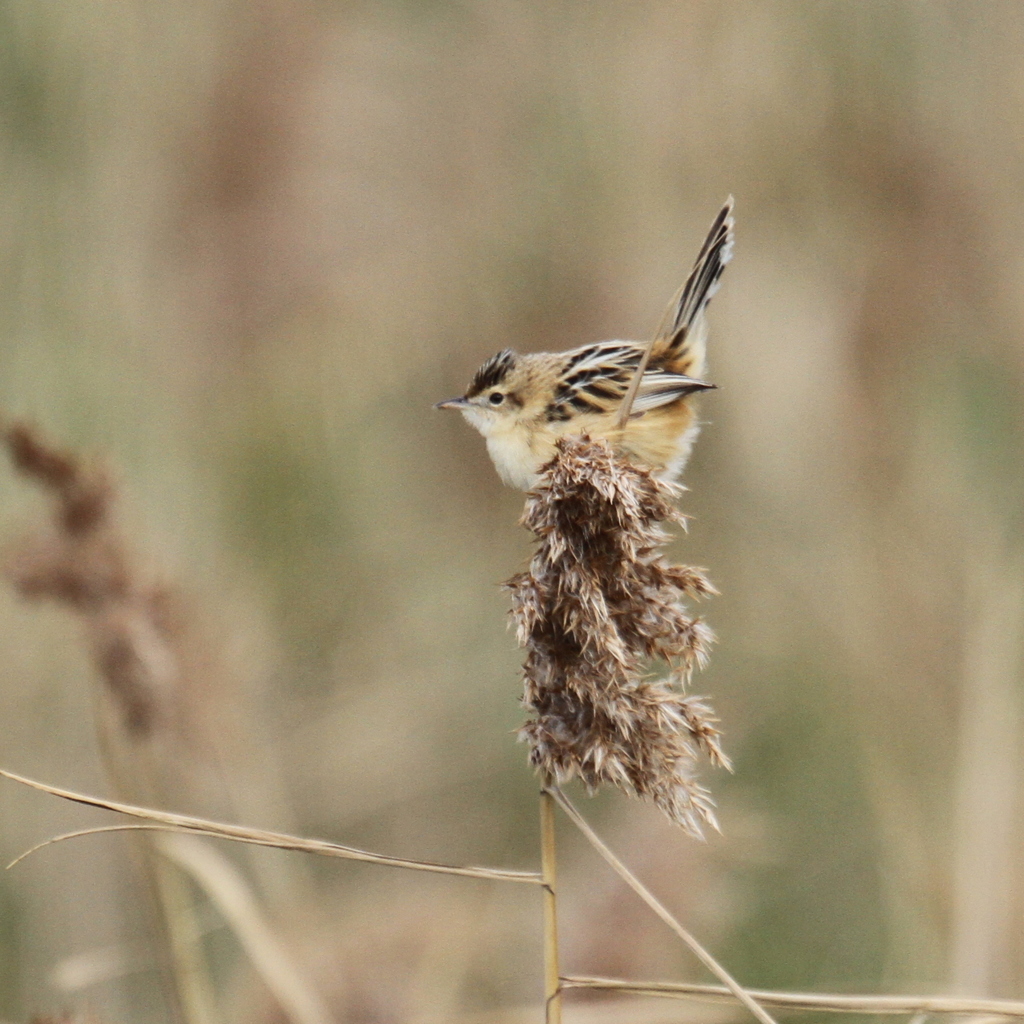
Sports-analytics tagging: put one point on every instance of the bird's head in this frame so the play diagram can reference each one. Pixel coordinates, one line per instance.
(492, 399)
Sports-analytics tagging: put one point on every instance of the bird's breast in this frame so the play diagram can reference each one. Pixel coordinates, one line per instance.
(515, 457)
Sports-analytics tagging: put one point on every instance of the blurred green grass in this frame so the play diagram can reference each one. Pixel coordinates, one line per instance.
(245, 249)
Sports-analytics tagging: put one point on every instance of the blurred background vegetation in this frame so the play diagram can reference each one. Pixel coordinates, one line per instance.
(245, 247)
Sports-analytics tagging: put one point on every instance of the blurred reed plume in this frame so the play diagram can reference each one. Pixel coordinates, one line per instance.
(596, 606)
(83, 563)
(151, 660)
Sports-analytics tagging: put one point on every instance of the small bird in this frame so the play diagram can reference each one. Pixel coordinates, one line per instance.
(522, 404)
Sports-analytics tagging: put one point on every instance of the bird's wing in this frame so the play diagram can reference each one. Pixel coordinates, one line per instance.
(659, 387)
(595, 378)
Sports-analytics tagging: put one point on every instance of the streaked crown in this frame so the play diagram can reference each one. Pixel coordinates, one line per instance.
(493, 372)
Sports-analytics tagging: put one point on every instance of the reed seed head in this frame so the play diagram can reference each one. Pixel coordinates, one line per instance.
(597, 605)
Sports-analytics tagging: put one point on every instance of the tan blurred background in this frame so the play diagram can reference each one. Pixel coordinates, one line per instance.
(245, 247)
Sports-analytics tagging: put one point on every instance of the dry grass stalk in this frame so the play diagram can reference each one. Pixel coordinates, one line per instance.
(220, 880)
(168, 821)
(820, 1001)
(735, 988)
(597, 605)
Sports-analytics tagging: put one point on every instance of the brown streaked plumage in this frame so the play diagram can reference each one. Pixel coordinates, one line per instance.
(522, 404)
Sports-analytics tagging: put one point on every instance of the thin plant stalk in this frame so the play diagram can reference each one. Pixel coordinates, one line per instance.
(163, 821)
(822, 1002)
(552, 984)
(187, 984)
(261, 837)
(191, 977)
(228, 891)
(649, 898)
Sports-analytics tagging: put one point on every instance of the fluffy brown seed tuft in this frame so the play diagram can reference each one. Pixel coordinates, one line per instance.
(597, 605)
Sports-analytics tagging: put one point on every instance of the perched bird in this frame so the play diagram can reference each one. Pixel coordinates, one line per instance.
(522, 404)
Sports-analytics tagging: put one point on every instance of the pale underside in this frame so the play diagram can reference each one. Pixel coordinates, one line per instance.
(659, 440)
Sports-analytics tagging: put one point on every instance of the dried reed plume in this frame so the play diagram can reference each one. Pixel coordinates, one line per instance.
(596, 606)
(83, 563)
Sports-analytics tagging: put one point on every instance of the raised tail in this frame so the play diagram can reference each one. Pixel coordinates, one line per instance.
(681, 344)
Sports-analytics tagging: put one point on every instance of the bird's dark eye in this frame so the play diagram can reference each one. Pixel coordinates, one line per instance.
(496, 398)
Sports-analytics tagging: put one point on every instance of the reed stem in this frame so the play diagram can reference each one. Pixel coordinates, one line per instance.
(552, 982)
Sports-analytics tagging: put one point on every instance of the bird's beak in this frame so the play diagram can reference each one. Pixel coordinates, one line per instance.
(452, 403)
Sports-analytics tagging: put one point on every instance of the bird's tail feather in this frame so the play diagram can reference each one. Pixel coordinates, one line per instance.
(682, 342)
